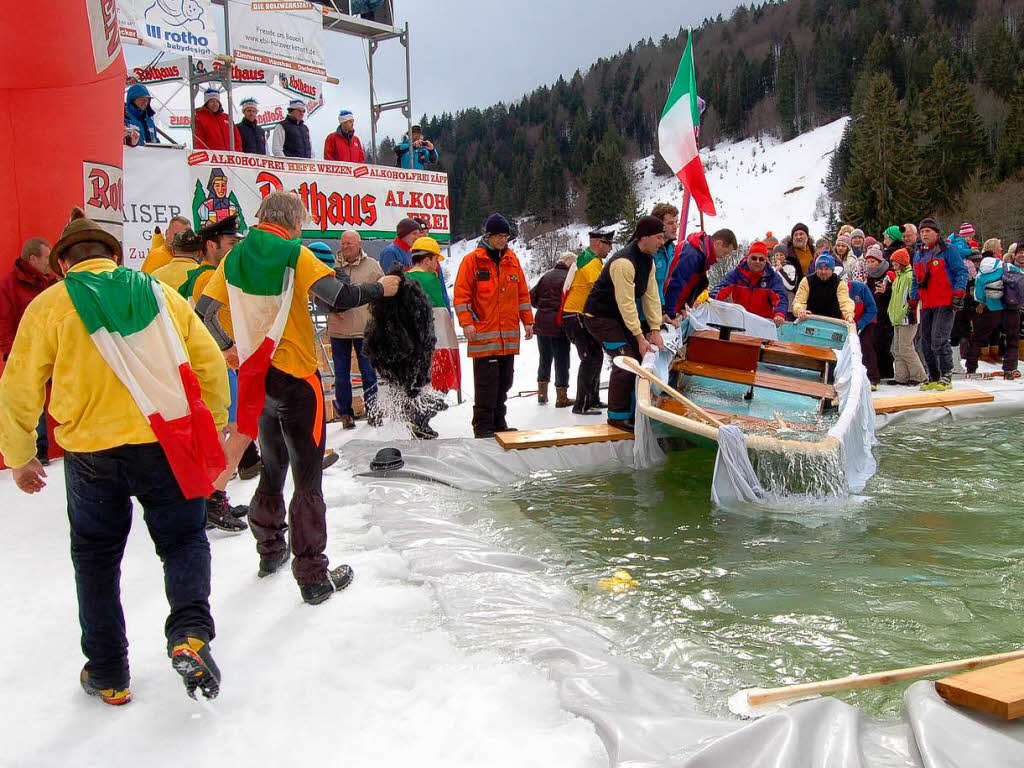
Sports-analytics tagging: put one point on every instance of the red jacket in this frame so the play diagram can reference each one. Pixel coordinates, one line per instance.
(337, 147)
(212, 131)
(17, 289)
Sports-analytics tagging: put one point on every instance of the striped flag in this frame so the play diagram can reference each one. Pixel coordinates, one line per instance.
(260, 276)
(126, 315)
(677, 132)
(445, 369)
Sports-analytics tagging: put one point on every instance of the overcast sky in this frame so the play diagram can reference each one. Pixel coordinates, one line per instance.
(478, 52)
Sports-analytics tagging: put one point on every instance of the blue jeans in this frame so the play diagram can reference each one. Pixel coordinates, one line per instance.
(99, 487)
(341, 349)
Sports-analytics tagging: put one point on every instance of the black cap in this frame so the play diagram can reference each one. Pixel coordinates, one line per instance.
(929, 223)
(227, 226)
(387, 460)
(606, 233)
(647, 226)
(800, 228)
(497, 224)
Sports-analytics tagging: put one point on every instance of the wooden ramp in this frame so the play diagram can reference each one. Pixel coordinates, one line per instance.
(953, 397)
(998, 690)
(577, 434)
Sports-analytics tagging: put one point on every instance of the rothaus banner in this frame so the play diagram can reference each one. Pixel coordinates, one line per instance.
(155, 190)
(370, 199)
(286, 35)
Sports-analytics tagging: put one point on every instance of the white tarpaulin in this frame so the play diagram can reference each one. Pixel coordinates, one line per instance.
(155, 190)
(183, 27)
(287, 35)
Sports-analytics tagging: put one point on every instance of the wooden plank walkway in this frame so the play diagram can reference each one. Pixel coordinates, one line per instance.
(577, 434)
(897, 403)
(998, 690)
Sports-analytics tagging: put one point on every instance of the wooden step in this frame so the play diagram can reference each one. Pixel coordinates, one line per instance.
(775, 381)
(998, 690)
(897, 403)
(577, 434)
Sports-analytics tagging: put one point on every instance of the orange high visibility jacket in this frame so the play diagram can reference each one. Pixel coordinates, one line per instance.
(494, 298)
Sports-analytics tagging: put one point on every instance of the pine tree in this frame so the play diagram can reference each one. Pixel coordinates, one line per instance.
(631, 213)
(882, 186)
(607, 182)
(547, 187)
(1010, 155)
(955, 145)
(787, 89)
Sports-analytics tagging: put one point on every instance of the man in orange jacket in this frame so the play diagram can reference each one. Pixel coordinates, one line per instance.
(491, 298)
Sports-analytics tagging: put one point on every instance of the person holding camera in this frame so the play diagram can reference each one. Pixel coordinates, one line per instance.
(416, 152)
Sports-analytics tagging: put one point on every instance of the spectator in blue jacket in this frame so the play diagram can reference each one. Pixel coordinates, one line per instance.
(688, 276)
(669, 216)
(992, 312)
(416, 151)
(397, 252)
(755, 286)
(865, 315)
(138, 114)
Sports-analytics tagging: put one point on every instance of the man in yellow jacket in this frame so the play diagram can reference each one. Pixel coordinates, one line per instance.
(112, 448)
(185, 258)
(823, 293)
(160, 248)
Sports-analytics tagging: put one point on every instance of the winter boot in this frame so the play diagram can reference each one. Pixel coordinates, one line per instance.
(582, 407)
(248, 473)
(270, 564)
(190, 657)
(220, 515)
(115, 697)
(542, 392)
(330, 459)
(595, 400)
(335, 581)
(626, 424)
(562, 399)
(944, 384)
(347, 422)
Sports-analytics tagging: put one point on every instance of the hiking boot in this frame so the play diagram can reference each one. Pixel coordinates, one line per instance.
(330, 459)
(626, 424)
(270, 564)
(219, 514)
(248, 473)
(422, 431)
(335, 581)
(542, 392)
(943, 385)
(928, 386)
(562, 399)
(115, 697)
(582, 407)
(347, 422)
(190, 657)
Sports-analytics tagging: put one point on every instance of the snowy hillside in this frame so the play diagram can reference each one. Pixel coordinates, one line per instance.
(759, 185)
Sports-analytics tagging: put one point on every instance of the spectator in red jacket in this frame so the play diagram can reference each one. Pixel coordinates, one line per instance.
(343, 144)
(755, 286)
(213, 129)
(30, 276)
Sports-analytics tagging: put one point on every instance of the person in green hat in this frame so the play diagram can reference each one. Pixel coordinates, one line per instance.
(892, 241)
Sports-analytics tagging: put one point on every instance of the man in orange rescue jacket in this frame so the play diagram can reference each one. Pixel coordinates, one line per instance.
(491, 299)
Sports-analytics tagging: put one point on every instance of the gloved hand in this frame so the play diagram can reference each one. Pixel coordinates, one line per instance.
(958, 300)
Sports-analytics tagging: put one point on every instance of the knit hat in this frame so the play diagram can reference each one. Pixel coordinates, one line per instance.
(345, 116)
(211, 93)
(186, 241)
(406, 227)
(869, 241)
(297, 104)
(758, 248)
(800, 228)
(825, 260)
(497, 224)
(894, 233)
(647, 226)
(901, 257)
(771, 239)
(323, 252)
(929, 223)
(429, 245)
(845, 240)
(857, 233)
(845, 229)
(249, 101)
(780, 248)
(966, 230)
(874, 252)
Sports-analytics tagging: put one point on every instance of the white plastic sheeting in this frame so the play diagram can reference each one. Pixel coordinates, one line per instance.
(646, 451)
(734, 481)
(508, 603)
(855, 429)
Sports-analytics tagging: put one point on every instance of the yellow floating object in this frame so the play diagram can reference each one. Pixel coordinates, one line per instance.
(620, 581)
(702, 298)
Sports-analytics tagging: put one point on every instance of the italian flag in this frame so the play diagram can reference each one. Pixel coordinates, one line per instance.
(677, 133)
(260, 275)
(445, 369)
(126, 315)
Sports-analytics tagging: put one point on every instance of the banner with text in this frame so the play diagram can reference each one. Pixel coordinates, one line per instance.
(155, 191)
(370, 199)
(103, 196)
(286, 35)
(183, 27)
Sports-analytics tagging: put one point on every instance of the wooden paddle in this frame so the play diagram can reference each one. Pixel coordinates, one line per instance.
(746, 702)
(628, 363)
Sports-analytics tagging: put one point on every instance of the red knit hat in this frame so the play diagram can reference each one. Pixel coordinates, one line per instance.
(967, 230)
(901, 257)
(759, 248)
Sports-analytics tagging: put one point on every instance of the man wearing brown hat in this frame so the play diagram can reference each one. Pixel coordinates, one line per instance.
(397, 252)
(616, 312)
(135, 430)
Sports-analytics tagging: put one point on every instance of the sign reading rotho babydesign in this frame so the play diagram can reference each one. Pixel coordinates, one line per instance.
(184, 27)
(286, 35)
(370, 199)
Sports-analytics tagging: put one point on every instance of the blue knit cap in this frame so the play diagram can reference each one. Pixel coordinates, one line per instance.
(323, 252)
(345, 114)
(297, 104)
(825, 260)
(211, 93)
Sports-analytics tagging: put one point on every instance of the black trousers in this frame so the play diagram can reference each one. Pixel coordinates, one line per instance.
(588, 378)
(492, 379)
(868, 351)
(617, 340)
(291, 432)
(985, 325)
(553, 349)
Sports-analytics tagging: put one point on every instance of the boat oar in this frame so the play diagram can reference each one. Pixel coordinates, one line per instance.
(754, 702)
(629, 364)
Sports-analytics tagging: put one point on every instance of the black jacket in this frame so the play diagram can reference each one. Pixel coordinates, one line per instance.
(546, 296)
(254, 138)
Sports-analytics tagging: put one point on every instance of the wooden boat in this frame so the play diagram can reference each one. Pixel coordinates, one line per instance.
(780, 393)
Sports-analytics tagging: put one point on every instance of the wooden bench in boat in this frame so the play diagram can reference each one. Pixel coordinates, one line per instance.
(774, 381)
(577, 434)
(786, 353)
(954, 397)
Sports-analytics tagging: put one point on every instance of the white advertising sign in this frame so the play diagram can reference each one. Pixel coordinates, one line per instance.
(103, 196)
(155, 190)
(286, 35)
(184, 27)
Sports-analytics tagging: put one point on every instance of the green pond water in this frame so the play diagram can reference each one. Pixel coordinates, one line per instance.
(926, 565)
